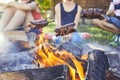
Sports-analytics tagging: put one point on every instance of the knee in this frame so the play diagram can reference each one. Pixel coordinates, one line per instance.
(10, 9)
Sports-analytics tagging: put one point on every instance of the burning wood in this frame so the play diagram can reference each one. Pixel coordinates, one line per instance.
(72, 48)
(97, 63)
(49, 56)
(60, 72)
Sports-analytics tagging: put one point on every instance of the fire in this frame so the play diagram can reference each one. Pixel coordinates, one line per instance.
(48, 56)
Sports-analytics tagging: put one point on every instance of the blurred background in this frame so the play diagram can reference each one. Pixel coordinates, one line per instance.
(47, 10)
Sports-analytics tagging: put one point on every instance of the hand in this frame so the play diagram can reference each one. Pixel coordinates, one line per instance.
(75, 28)
(110, 12)
(27, 29)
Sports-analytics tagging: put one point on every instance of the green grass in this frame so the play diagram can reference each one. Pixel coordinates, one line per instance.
(49, 28)
(98, 35)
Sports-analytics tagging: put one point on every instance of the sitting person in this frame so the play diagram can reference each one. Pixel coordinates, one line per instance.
(111, 23)
(63, 9)
(67, 12)
(19, 13)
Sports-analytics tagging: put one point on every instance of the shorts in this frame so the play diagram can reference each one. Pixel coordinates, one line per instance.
(113, 20)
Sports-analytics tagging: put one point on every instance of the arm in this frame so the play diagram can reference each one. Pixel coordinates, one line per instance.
(110, 12)
(77, 17)
(57, 15)
(23, 6)
(111, 9)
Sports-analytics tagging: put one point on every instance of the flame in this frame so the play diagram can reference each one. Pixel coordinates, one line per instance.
(84, 57)
(48, 56)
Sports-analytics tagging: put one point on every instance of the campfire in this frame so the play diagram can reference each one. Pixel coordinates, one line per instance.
(48, 56)
(84, 67)
(57, 64)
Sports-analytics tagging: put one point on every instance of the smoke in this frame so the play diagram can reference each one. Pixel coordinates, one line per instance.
(7, 45)
(4, 43)
(13, 56)
(88, 45)
(15, 59)
(105, 48)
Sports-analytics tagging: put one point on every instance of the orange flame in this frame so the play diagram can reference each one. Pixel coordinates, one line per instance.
(48, 56)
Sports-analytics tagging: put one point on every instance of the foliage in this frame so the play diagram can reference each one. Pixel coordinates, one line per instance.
(49, 28)
(44, 4)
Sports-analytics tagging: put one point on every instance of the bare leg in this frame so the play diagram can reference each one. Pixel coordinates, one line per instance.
(111, 28)
(28, 18)
(106, 26)
(17, 20)
(6, 17)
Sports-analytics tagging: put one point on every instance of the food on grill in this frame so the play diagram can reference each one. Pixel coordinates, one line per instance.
(39, 23)
(92, 13)
(65, 29)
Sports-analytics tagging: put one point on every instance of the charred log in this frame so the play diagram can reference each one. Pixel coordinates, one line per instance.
(114, 70)
(51, 73)
(72, 48)
(97, 65)
(110, 76)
